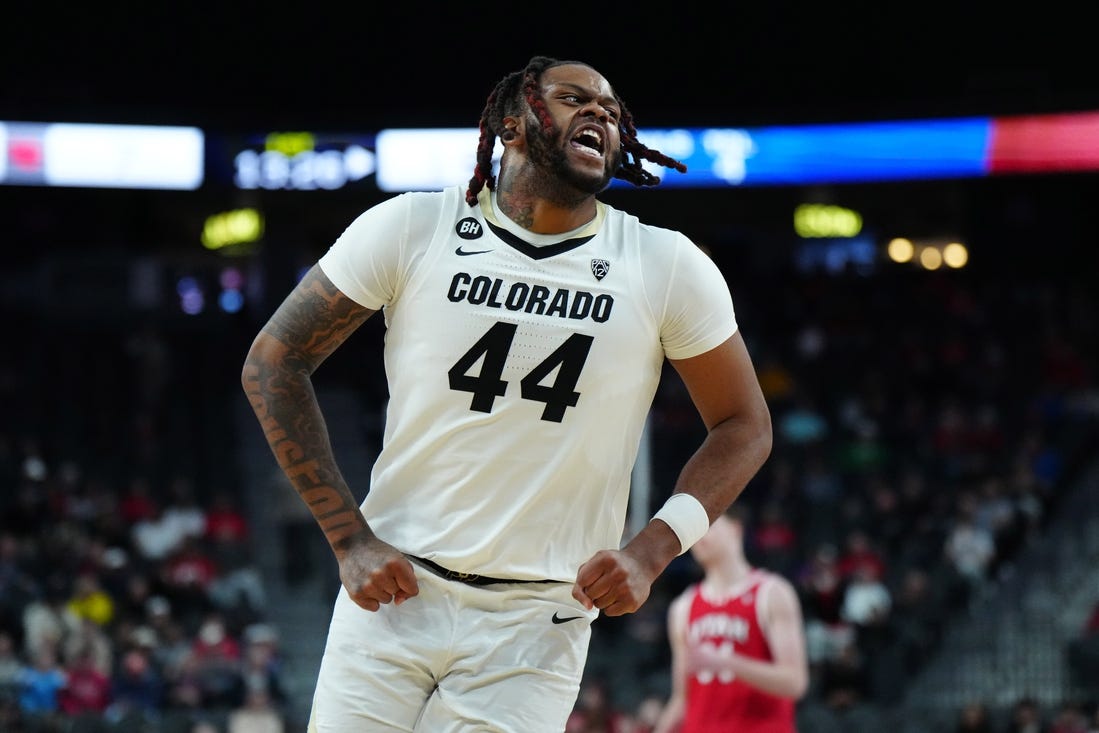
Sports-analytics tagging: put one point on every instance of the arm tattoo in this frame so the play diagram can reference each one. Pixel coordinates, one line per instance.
(315, 319)
(310, 324)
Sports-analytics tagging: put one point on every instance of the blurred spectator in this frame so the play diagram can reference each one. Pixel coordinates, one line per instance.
(187, 576)
(257, 714)
(131, 604)
(137, 503)
(88, 687)
(595, 711)
(156, 537)
(137, 688)
(974, 718)
(821, 590)
(1069, 718)
(803, 424)
(1025, 717)
(916, 618)
(216, 662)
(858, 553)
(40, 686)
(995, 512)
(183, 510)
(89, 600)
(773, 539)
(866, 599)
(173, 645)
(842, 682)
(261, 666)
(1029, 496)
(89, 638)
(970, 548)
(224, 519)
(238, 589)
(863, 451)
(48, 620)
(34, 467)
(114, 569)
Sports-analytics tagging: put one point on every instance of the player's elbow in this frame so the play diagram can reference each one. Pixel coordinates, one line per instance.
(264, 352)
(757, 434)
(764, 434)
(799, 684)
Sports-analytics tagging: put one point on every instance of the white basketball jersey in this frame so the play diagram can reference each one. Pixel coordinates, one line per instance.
(521, 368)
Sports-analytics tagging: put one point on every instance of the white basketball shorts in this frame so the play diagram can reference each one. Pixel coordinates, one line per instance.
(456, 658)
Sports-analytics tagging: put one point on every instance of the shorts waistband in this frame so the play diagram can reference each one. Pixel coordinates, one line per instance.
(468, 578)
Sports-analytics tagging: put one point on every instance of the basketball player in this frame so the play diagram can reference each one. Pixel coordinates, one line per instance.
(738, 643)
(527, 324)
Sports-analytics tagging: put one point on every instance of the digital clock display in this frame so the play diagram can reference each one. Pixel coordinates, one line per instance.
(303, 161)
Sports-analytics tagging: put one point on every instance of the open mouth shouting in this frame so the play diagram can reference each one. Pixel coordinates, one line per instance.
(588, 141)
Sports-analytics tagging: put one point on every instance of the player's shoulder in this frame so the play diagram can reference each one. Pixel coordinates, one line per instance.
(448, 198)
(767, 575)
(774, 583)
(685, 596)
(646, 230)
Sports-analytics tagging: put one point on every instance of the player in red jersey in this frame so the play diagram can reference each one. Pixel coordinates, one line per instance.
(738, 643)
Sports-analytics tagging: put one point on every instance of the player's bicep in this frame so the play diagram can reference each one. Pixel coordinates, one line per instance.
(722, 384)
(311, 322)
(785, 628)
(678, 613)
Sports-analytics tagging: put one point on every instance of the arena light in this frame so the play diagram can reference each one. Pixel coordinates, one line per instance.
(239, 226)
(901, 249)
(929, 253)
(825, 220)
(930, 258)
(955, 255)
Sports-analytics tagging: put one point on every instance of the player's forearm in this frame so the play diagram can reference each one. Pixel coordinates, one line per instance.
(781, 680)
(732, 453)
(283, 400)
(671, 717)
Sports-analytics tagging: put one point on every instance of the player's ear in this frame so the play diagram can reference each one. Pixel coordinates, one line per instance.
(512, 130)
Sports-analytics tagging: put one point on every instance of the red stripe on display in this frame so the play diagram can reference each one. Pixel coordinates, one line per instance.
(1044, 143)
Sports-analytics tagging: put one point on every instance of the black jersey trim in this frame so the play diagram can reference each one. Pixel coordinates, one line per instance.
(530, 250)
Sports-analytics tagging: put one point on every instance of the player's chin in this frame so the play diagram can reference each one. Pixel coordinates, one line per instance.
(590, 180)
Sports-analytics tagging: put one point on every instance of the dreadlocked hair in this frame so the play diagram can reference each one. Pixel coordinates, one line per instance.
(506, 100)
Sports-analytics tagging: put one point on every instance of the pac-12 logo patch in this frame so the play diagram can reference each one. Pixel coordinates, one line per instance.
(469, 228)
(600, 268)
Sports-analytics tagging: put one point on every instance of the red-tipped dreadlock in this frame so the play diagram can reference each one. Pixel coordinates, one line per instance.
(507, 100)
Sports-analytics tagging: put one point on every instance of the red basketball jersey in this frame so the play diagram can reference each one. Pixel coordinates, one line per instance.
(720, 703)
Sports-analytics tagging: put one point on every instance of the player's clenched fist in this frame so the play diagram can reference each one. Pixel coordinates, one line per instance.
(613, 582)
(374, 572)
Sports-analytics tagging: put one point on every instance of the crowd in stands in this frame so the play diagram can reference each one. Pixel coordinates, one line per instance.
(923, 433)
(131, 610)
(925, 427)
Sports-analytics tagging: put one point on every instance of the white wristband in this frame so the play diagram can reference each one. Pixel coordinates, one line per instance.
(687, 518)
